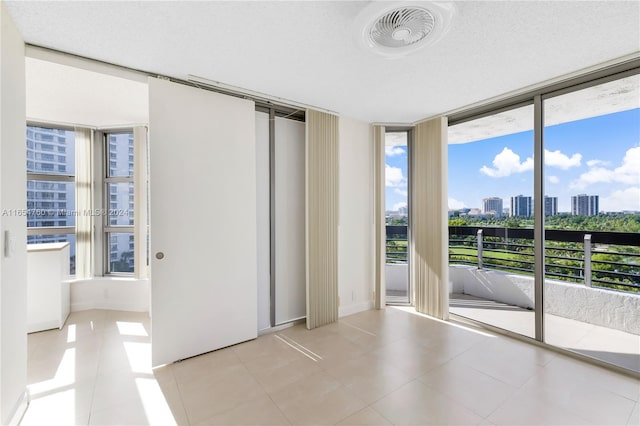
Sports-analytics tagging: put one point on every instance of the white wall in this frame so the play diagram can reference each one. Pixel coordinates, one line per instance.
(13, 269)
(263, 186)
(120, 294)
(355, 232)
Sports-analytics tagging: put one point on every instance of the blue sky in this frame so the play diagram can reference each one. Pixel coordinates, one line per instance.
(596, 156)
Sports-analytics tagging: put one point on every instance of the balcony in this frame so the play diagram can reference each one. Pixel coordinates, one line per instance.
(591, 288)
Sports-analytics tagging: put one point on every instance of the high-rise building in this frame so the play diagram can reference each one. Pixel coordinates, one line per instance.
(492, 205)
(585, 205)
(521, 206)
(550, 206)
(50, 184)
(120, 159)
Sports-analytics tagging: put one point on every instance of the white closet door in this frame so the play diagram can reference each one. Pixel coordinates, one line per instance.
(290, 291)
(264, 224)
(203, 220)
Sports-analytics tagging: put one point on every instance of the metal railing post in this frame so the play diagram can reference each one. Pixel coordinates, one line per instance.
(479, 248)
(587, 260)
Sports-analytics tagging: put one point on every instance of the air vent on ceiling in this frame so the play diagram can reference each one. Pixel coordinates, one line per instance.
(399, 28)
(402, 27)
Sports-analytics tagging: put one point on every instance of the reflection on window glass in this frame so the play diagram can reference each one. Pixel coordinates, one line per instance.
(50, 151)
(120, 154)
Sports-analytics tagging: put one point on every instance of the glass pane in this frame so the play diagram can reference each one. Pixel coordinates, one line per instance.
(396, 167)
(592, 184)
(120, 203)
(71, 238)
(120, 251)
(120, 154)
(50, 151)
(50, 203)
(491, 255)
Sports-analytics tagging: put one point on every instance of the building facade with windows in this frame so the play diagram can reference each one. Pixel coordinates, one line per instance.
(550, 206)
(492, 205)
(585, 205)
(521, 206)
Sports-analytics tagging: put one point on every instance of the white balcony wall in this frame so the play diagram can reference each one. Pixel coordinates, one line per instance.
(355, 232)
(607, 308)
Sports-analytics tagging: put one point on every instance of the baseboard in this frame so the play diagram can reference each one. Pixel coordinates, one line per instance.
(114, 306)
(354, 308)
(20, 409)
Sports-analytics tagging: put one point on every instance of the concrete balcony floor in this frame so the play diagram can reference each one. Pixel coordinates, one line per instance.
(606, 344)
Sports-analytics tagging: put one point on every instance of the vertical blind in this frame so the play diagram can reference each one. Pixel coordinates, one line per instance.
(379, 215)
(322, 218)
(429, 266)
(84, 222)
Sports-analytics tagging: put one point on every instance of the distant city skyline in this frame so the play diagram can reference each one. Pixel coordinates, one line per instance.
(598, 155)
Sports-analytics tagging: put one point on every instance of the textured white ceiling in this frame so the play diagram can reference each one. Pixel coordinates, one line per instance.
(305, 51)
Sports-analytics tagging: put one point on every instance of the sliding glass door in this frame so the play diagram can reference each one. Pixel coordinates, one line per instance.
(544, 216)
(491, 251)
(592, 221)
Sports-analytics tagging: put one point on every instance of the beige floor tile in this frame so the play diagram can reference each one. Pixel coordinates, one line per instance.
(318, 399)
(369, 377)
(475, 390)
(173, 399)
(365, 417)
(130, 413)
(507, 360)
(64, 405)
(273, 374)
(417, 404)
(217, 392)
(411, 357)
(571, 370)
(526, 408)
(259, 411)
(583, 398)
(206, 364)
(114, 389)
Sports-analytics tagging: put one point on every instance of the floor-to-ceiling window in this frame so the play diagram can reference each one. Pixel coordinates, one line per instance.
(491, 249)
(544, 215)
(592, 221)
(397, 216)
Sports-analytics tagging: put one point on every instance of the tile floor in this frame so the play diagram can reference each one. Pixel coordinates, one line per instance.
(372, 368)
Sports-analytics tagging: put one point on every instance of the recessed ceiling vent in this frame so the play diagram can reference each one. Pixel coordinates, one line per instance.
(400, 28)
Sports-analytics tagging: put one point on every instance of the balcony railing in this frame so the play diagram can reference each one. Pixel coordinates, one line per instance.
(602, 259)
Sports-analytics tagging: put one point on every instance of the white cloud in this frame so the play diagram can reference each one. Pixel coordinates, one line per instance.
(560, 160)
(507, 163)
(554, 179)
(455, 204)
(391, 151)
(628, 173)
(625, 199)
(592, 163)
(398, 206)
(402, 192)
(393, 176)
